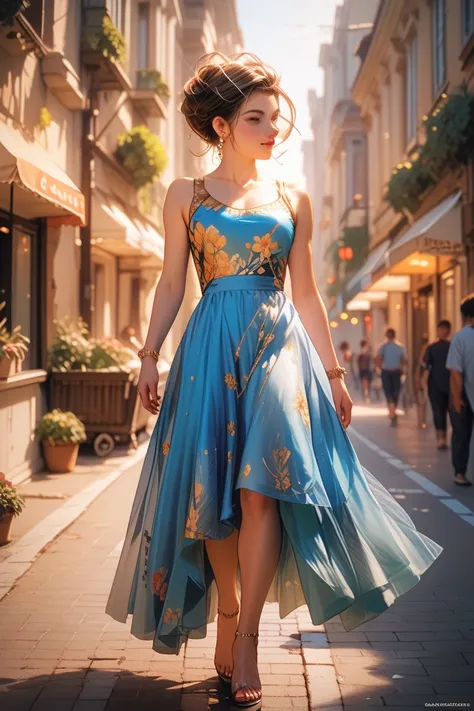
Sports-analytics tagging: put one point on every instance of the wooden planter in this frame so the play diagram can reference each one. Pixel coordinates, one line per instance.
(60, 457)
(106, 402)
(7, 368)
(5, 527)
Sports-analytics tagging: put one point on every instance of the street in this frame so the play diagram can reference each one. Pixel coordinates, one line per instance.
(60, 652)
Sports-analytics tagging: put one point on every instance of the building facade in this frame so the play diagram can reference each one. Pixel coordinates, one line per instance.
(78, 235)
(418, 55)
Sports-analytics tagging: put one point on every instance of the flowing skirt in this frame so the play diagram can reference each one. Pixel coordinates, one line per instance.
(247, 404)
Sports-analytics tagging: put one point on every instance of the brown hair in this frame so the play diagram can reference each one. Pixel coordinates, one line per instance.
(219, 87)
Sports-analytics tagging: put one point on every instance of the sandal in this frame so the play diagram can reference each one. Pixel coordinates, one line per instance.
(248, 703)
(465, 482)
(223, 677)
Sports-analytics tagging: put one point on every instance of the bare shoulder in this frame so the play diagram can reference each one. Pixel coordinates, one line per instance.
(180, 194)
(300, 200)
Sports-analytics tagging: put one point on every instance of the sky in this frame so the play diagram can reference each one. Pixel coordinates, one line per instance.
(287, 34)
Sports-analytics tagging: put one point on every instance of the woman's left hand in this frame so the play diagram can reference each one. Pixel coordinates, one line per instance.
(342, 401)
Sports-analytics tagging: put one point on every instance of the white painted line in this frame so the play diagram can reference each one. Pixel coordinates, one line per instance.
(115, 553)
(24, 551)
(443, 496)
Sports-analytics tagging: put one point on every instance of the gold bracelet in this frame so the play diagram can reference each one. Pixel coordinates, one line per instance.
(337, 372)
(148, 352)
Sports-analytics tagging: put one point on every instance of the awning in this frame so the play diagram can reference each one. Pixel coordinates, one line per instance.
(438, 232)
(364, 277)
(47, 191)
(121, 231)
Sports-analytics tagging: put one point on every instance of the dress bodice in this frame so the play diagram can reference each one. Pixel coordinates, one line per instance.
(230, 241)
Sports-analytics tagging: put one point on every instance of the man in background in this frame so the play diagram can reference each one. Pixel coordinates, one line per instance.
(460, 362)
(392, 361)
(437, 375)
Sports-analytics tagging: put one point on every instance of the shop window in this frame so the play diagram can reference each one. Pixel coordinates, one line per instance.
(467, 20)
(21, 257)
(439, 41)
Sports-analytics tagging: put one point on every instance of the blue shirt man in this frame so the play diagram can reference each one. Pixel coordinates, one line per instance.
(391, 359)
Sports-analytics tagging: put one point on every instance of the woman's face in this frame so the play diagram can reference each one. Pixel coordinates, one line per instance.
(256, 126)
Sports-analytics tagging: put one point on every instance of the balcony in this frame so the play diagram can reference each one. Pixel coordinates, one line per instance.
(103, 47)
(151, 93)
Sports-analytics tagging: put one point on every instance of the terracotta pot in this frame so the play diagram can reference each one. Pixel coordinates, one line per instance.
(60, 457)
(5, 527)
(7, 367)
(18, 365)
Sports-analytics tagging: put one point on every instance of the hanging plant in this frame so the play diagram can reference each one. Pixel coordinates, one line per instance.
(152, 79)
(409, 181)
(10, 8)
(450, 131)
(106, 39)
(142, 155)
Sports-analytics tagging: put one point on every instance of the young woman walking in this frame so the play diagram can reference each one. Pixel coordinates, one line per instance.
(250, 490)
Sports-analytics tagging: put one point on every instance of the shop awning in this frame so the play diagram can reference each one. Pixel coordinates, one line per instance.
(122, 231)
(364, 277)
(438, 232)
(47, 191)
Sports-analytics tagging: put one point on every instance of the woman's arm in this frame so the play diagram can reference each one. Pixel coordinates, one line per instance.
(171, 286)
(308, 302)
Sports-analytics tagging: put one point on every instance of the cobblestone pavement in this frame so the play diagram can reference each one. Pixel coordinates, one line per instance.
(60, 652)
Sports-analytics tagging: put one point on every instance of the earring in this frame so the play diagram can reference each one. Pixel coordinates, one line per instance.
(219, 147)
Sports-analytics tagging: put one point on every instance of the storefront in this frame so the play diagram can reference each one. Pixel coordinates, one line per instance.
(39, 205)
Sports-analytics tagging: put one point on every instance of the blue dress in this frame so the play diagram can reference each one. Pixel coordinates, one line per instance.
(248, 404)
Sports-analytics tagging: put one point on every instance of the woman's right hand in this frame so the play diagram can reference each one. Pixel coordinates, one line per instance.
(148, 385)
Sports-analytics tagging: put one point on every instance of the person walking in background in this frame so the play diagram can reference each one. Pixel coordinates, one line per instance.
(460, 362)
(348, 362)
(436, 376)
(420, 385)
(392, 361)
(365, 364)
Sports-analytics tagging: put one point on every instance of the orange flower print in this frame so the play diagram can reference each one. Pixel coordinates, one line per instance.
(282, 477)
(158, 584)
(301, 405)
(169, 615)
(247, 470)
(165, 448)
(231, 428)
(230, 381)
(193, 514)
(265, 246)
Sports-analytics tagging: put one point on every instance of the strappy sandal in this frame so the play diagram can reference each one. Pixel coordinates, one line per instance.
(223, 677)
(248, 703)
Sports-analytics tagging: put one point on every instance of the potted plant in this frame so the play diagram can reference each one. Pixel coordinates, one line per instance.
(11, 504)
(13, 348)
(61, 433)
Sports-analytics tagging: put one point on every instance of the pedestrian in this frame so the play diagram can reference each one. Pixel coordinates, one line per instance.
(392, 361)
(436, 377)
(250, 489)
(420, 385)
(460, 363)
(348, 361)
(365, 363)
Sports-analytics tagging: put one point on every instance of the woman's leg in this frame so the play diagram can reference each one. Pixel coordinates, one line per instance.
(223, 558)
(259, 552)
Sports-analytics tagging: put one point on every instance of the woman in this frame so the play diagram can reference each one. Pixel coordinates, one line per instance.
(365, 364)
(250, 489)
(348, 362)
(420, 385)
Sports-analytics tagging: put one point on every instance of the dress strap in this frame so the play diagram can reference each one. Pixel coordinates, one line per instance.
(199, 195)
(282, 188)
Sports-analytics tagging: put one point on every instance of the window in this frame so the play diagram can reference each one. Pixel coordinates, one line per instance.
(21, 288)
(411, 84)
(143, 35)
(467, 19)
(439, 63)
(34, 13)
(117, 12)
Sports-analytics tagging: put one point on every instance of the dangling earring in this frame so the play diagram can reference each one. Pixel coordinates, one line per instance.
(219, 147)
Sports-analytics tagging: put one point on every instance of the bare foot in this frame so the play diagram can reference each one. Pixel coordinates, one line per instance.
(226, 627)
(245, 669)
